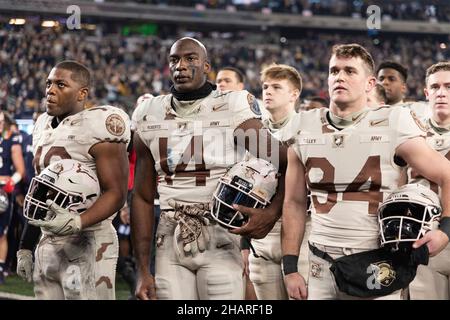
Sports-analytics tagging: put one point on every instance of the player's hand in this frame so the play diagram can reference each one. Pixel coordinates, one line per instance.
(259, 224)
(25, 264)
(245, 253)
(59, 221)
(145, 287)
(192, 226)
(436, 241)
(296, 286)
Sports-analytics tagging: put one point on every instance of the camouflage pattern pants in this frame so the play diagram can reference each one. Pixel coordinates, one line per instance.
(80, 266)
(215, 273)
(432, 282)
(266, 275)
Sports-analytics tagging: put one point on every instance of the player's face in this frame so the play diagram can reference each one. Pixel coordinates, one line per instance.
(393, 83)
(348, 81)
(62, 94)
(188, 66)
(278, 93)
(227, 80)
(438, 94)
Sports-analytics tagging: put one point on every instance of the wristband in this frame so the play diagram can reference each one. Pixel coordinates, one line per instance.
(290, 264)
(16, 177)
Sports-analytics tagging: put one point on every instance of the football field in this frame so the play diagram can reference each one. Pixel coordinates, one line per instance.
(17, 289)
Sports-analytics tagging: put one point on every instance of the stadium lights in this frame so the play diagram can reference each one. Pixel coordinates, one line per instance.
(49, 23)
(17, 21)
(443, 46)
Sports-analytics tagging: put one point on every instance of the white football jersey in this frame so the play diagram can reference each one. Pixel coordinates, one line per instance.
(76, 134)
(350, 171)
(439, 142)
(420, 108)
(192, 152)
(286, 132)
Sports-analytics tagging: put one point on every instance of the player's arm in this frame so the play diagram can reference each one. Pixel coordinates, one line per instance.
(142, 217)
(293, 225)
(435, 167)
(261, 221)
(112, 170)
(17, 159)
(19, 166)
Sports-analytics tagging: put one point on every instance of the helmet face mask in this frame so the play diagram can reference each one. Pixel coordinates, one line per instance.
(250, 183)
(406, 215)
(68, 183)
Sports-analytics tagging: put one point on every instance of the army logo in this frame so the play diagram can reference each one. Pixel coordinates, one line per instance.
(57, 168)
(115, 125)
(316, 270)
(338, 141)
(253, 104)
(249, 173)
(383, 272)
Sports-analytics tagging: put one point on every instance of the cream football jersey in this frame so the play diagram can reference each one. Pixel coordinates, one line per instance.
(350, 171)
(193, 151)
(76, 134)
(439, 142)
(288, 130)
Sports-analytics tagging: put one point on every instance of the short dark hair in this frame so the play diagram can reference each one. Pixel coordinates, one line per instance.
(239, 74)
(320, 100)
(396, 66)
(354, 50)
(80, 73)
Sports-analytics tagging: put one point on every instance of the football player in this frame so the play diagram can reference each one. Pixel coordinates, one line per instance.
(230, 78)
(392, 76)
(96, 137)
(432, 281)
(281, 87)
(351, 157)
(186, 140)
(12, 170)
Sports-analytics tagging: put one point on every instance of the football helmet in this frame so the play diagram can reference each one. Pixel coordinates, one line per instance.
(69, 183)
(4, 201)
(251, 183)
(407, 214)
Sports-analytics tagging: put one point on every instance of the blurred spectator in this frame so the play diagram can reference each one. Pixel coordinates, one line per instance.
(124, 68)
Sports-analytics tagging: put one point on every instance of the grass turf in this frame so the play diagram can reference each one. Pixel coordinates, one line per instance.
(16, 285)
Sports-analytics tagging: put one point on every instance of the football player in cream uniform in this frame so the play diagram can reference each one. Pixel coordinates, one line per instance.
(186, 141)
(351, 157)
(96, 137)
(432, 281)
(281, 86)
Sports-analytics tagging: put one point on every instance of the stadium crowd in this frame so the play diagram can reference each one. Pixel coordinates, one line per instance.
(437, 10)
(126, 67)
